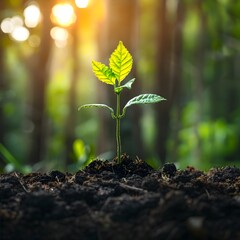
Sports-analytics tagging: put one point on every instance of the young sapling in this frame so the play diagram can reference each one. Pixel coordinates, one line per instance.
(120, 65)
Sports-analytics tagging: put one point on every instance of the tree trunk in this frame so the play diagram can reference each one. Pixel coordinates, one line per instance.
(168, 70)
(2, 86)
(176, 76)
(40, 75)
(71, 117)
(199, 78)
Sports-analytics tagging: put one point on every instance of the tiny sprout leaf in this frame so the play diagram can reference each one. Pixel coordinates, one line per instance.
(103, 73)
(121, 62)
(127, 85)
(144, 99)
(97, 106)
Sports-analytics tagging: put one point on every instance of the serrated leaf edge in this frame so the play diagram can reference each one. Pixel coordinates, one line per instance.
(131, 102)
(120, 72)
(97, 105)
(98, 71)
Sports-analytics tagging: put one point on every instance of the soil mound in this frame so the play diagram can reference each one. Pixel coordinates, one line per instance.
(123, 201)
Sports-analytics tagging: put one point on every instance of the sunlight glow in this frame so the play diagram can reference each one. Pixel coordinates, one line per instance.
(7, 25)
(60, 35)
(81, 3)
(60, 44)
(17, 21)
(20, 34)
(63, 14)
(14, 27)
(32, 15)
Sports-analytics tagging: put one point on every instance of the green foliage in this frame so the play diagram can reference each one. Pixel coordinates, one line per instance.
(206, 143)
(120, 66)
(12, 164)
(82, 155)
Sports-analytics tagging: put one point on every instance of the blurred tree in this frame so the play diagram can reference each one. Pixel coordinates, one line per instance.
(225, 34)
(80, 33)
(210, 132)
(176, 75)
(168, 72)
(71, 117)
(40, 74)
(199, 75)
(2, 83)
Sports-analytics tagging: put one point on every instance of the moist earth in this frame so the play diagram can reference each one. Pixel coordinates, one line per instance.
(107, 201)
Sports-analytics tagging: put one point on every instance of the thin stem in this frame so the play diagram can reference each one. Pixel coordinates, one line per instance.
(118, 136)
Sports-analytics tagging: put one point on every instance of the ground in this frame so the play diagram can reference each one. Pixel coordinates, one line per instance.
(124, 201)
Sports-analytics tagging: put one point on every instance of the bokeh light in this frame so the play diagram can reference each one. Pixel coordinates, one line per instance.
(81, 3)
(17, 21)
(34, 41)
(20, 34)
(60, 36)
(63, 14)
(32, 15)
(7, 25)
(14, 27)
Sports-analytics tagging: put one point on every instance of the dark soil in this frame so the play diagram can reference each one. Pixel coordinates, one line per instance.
(127, 201)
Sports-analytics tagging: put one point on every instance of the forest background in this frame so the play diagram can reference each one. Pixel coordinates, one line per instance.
(187, 51)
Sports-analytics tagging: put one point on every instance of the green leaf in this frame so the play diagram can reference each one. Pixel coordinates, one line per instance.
(103, 73)
(79, 148)
(144, 99)
(12, 162)
(127, 85)
(97, 106)
(121, 62)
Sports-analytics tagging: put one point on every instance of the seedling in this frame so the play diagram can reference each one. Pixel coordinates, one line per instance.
(120, 65)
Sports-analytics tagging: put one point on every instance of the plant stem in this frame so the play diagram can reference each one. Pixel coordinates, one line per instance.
(118, 136)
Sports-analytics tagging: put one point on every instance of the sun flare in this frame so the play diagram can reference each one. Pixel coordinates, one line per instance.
(81, 3)
(63, 14)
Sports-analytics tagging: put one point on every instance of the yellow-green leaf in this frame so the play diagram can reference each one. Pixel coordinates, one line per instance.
(103, 73)
(121, 62)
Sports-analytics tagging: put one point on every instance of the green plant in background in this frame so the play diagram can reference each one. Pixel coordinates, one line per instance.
(12, 164)
(82, 155)
(120, 65)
